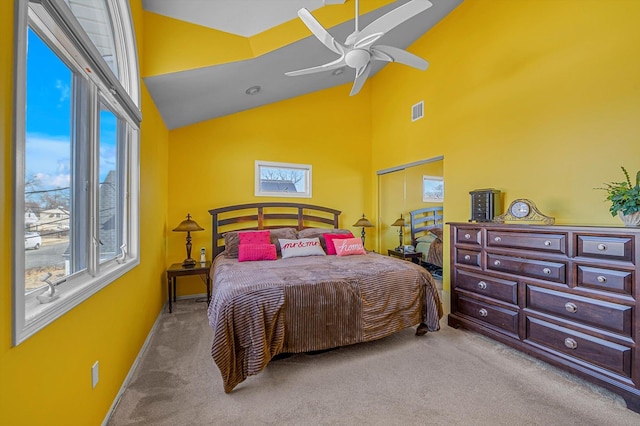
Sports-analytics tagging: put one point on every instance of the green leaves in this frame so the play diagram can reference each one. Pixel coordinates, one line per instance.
(624, 196)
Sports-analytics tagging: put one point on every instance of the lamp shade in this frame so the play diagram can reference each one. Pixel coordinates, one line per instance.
(398, 222)
(363, 222)
(188, 225)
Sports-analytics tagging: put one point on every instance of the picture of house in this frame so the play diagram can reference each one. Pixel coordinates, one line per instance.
(539, 99)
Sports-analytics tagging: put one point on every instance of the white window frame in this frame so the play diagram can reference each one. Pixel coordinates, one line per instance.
(61, 28)
(304, 168)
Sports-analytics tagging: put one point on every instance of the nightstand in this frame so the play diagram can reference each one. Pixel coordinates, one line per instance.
(413, 256)
(177, 270)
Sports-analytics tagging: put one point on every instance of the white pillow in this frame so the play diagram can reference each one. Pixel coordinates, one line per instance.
(301, 247)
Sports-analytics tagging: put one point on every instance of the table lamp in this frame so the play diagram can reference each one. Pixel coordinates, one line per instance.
(364, 223)
(188, 225)
(400, 223)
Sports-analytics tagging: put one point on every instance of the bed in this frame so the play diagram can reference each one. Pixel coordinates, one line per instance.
(260, 309)
(426, 235)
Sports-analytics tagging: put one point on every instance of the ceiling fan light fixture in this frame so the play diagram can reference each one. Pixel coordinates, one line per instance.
(253, 90)
(357, 58)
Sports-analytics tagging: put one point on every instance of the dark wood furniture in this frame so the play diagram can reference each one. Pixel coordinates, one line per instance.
(177, 270)
(485, 205)
(412, 256)
(565, 294)
(255, 216)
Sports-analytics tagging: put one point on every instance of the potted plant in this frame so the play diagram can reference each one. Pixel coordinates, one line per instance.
(625, 199)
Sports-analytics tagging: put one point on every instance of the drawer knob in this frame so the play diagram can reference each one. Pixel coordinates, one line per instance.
(467, 257)
(571, 307)
(602, 247)
(570, 343)
(547, 243)
(467, 236)
(482, 285)
(497, 239)
(547, 271)
(496, 262)
(483, 312)
(602, 279)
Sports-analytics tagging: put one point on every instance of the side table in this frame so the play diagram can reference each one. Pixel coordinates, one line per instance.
(177, 270)
(414, 256)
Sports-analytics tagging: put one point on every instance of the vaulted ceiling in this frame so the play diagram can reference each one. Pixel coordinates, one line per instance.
(206, 54)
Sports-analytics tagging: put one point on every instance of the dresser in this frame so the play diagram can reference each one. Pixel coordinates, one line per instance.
(567, 295)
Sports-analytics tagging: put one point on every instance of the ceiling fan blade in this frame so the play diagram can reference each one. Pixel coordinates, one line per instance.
(361, 76)
(318, 30)
(389, 21)
(393, 54)
(338, 63)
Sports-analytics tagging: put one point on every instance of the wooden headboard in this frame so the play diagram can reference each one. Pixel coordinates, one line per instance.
(253, 216)
(423, 220)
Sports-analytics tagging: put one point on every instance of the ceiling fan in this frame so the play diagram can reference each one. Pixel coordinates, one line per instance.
(360, 49)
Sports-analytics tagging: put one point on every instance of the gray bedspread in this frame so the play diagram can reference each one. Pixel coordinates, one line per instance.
(301, 304)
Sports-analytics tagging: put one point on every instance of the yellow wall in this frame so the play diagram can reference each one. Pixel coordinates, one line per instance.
(212, 163)
(537, 98)
(47, 379)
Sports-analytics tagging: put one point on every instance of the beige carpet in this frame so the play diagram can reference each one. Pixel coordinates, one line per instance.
(451, 377)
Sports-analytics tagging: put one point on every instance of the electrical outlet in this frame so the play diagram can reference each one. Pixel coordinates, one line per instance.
(94, 375)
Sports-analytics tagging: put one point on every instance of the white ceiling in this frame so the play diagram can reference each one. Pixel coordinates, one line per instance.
(195, 95)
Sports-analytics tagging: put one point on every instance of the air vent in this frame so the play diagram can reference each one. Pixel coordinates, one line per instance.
(417, 111)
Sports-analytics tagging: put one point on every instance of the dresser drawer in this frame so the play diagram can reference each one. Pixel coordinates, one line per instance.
(548, 243)
(468, 257)
(542, 269)
(469, 236)
(605, 279)
(496, 288)
(592, 350)
(604, 315)
(600, 247)
(504, 319)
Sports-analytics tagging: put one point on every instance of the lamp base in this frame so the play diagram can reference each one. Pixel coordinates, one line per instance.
(189, 263)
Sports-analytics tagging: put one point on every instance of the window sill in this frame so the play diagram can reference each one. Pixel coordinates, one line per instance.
(71, 293)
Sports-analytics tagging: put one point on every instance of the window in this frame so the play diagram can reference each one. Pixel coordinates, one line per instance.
(282, 179)
(76, 144)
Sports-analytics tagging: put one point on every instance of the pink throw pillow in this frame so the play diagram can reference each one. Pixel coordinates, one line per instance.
(349, 246)
(255, 237)
(328, 238)
(248, 252)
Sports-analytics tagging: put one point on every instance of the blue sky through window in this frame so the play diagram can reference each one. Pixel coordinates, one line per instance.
(48, 116)
(49, 120)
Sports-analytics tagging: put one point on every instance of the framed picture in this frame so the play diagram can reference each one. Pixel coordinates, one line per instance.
(432, 189)
(282, 179)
